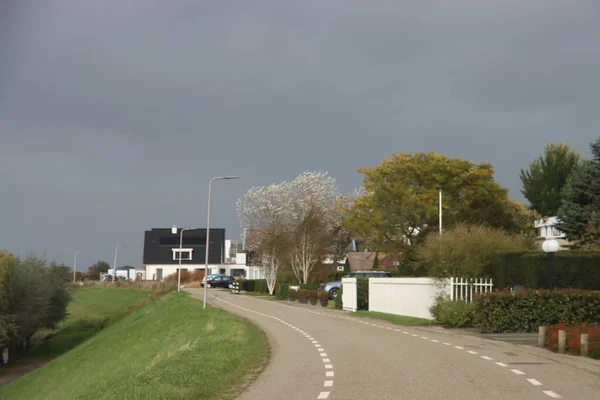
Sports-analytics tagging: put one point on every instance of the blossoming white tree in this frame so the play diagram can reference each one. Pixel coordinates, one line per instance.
(305, 212)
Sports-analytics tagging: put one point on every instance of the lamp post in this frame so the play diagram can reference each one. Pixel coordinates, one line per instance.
(550, 247)
(115, 262)
(75, 265)
(174, 231)
(208, 234)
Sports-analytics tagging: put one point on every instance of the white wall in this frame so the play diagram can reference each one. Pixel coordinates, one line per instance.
(168, 269)
(403, 296)
(349, 299)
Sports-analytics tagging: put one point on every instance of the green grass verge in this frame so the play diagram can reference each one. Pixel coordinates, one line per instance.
(394, 319)
(168, 349)
(90, 310)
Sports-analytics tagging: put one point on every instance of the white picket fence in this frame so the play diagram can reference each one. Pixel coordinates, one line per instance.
(411, 296)
(465, 289)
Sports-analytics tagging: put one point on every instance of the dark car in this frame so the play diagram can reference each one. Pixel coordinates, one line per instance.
(334, 287)
(219, 281)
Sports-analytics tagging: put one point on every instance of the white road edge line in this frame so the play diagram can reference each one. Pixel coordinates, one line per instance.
(534, 382)
(517, 371)
(552, 394)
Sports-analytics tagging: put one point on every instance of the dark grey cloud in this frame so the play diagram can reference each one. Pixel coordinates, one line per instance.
(114, 115)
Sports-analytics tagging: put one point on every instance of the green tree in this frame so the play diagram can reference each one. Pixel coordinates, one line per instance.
(546, 178)
(93, 272)
(61, 272)
(398, 202)
(579, 214)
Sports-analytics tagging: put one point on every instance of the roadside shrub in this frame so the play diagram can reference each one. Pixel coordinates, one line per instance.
(303, 295)
(339, 304)
(323, 295)
(312, 294)
(292, 294)
(527, 310)
(362, 293)
(185, 277)
(255, 285)
(457, 314)
(282, 293)
(309, 286)
(197, 276)
(465, 250)
(574, 338)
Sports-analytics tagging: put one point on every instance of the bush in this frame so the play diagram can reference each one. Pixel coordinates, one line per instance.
(527, 310)
(309, 286)
(303, 296)
(283, 292)
(574, 338)
(312, 294)
(457, 314)
(185, 277)
(292, 294)
(255, 285)
(197, 275)
(465, 250)
(571, 270)
(323, 295)
(339, 304)
(362, 293)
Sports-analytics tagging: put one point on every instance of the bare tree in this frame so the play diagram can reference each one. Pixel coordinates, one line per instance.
(271, 252)
(304, 210)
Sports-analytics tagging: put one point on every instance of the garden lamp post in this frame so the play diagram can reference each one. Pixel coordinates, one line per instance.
(550, 247)
(174, 232)
(208, 234)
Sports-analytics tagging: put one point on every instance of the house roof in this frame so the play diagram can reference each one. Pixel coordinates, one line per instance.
(550, 221)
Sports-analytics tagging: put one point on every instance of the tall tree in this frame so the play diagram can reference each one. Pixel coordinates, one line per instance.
(94, 271)
(546, 178)
(579, 214)
(304, 211)
(398, 201)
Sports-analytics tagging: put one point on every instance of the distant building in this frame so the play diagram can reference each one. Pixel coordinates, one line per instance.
(546, 229)
(162, 254)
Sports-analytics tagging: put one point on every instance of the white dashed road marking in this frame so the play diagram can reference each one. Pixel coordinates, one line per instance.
(319, 347)
(329, 373)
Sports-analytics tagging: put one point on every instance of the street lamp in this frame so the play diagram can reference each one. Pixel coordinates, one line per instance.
(115, 262)
(174, 232)
(75, 265)
(208, 234)
(550, 247)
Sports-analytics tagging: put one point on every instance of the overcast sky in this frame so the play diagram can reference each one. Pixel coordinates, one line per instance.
(115, 114)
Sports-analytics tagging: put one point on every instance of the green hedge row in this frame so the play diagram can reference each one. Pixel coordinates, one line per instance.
(255, 285)
(526, 311)
(571, 270)
(362, 293)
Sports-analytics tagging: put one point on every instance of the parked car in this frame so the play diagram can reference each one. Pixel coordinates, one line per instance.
(212, 276)
(334, 287)
(219, 281)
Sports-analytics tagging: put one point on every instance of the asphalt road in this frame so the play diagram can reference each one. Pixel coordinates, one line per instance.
(326, 354)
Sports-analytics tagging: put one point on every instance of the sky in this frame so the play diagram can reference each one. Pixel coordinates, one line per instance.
(114, 115)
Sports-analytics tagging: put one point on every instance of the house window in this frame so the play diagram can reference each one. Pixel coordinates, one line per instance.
(159, 274)
(182, 254)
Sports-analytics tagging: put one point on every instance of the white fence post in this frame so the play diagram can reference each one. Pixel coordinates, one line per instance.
(349, 294)
(465, 289)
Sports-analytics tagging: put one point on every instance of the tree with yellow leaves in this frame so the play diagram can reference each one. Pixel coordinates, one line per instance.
(398, 201)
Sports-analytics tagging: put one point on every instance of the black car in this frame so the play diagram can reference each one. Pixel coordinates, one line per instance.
(220, 281)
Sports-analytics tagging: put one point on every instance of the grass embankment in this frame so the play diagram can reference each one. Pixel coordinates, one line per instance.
(90, 310)
(394, 319)
(167, 349)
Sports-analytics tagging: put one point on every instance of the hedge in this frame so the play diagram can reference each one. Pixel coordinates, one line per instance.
(527, 310)
(255, 285)
(362, 293)
(282, 293)
(571, 270)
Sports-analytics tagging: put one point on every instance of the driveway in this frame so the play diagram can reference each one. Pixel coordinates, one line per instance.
(327, 354)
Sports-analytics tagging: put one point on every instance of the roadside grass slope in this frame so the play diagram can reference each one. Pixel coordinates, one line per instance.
(91, 309)
(167, 349)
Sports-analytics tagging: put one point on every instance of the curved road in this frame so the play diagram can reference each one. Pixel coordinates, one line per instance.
(325, 354)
